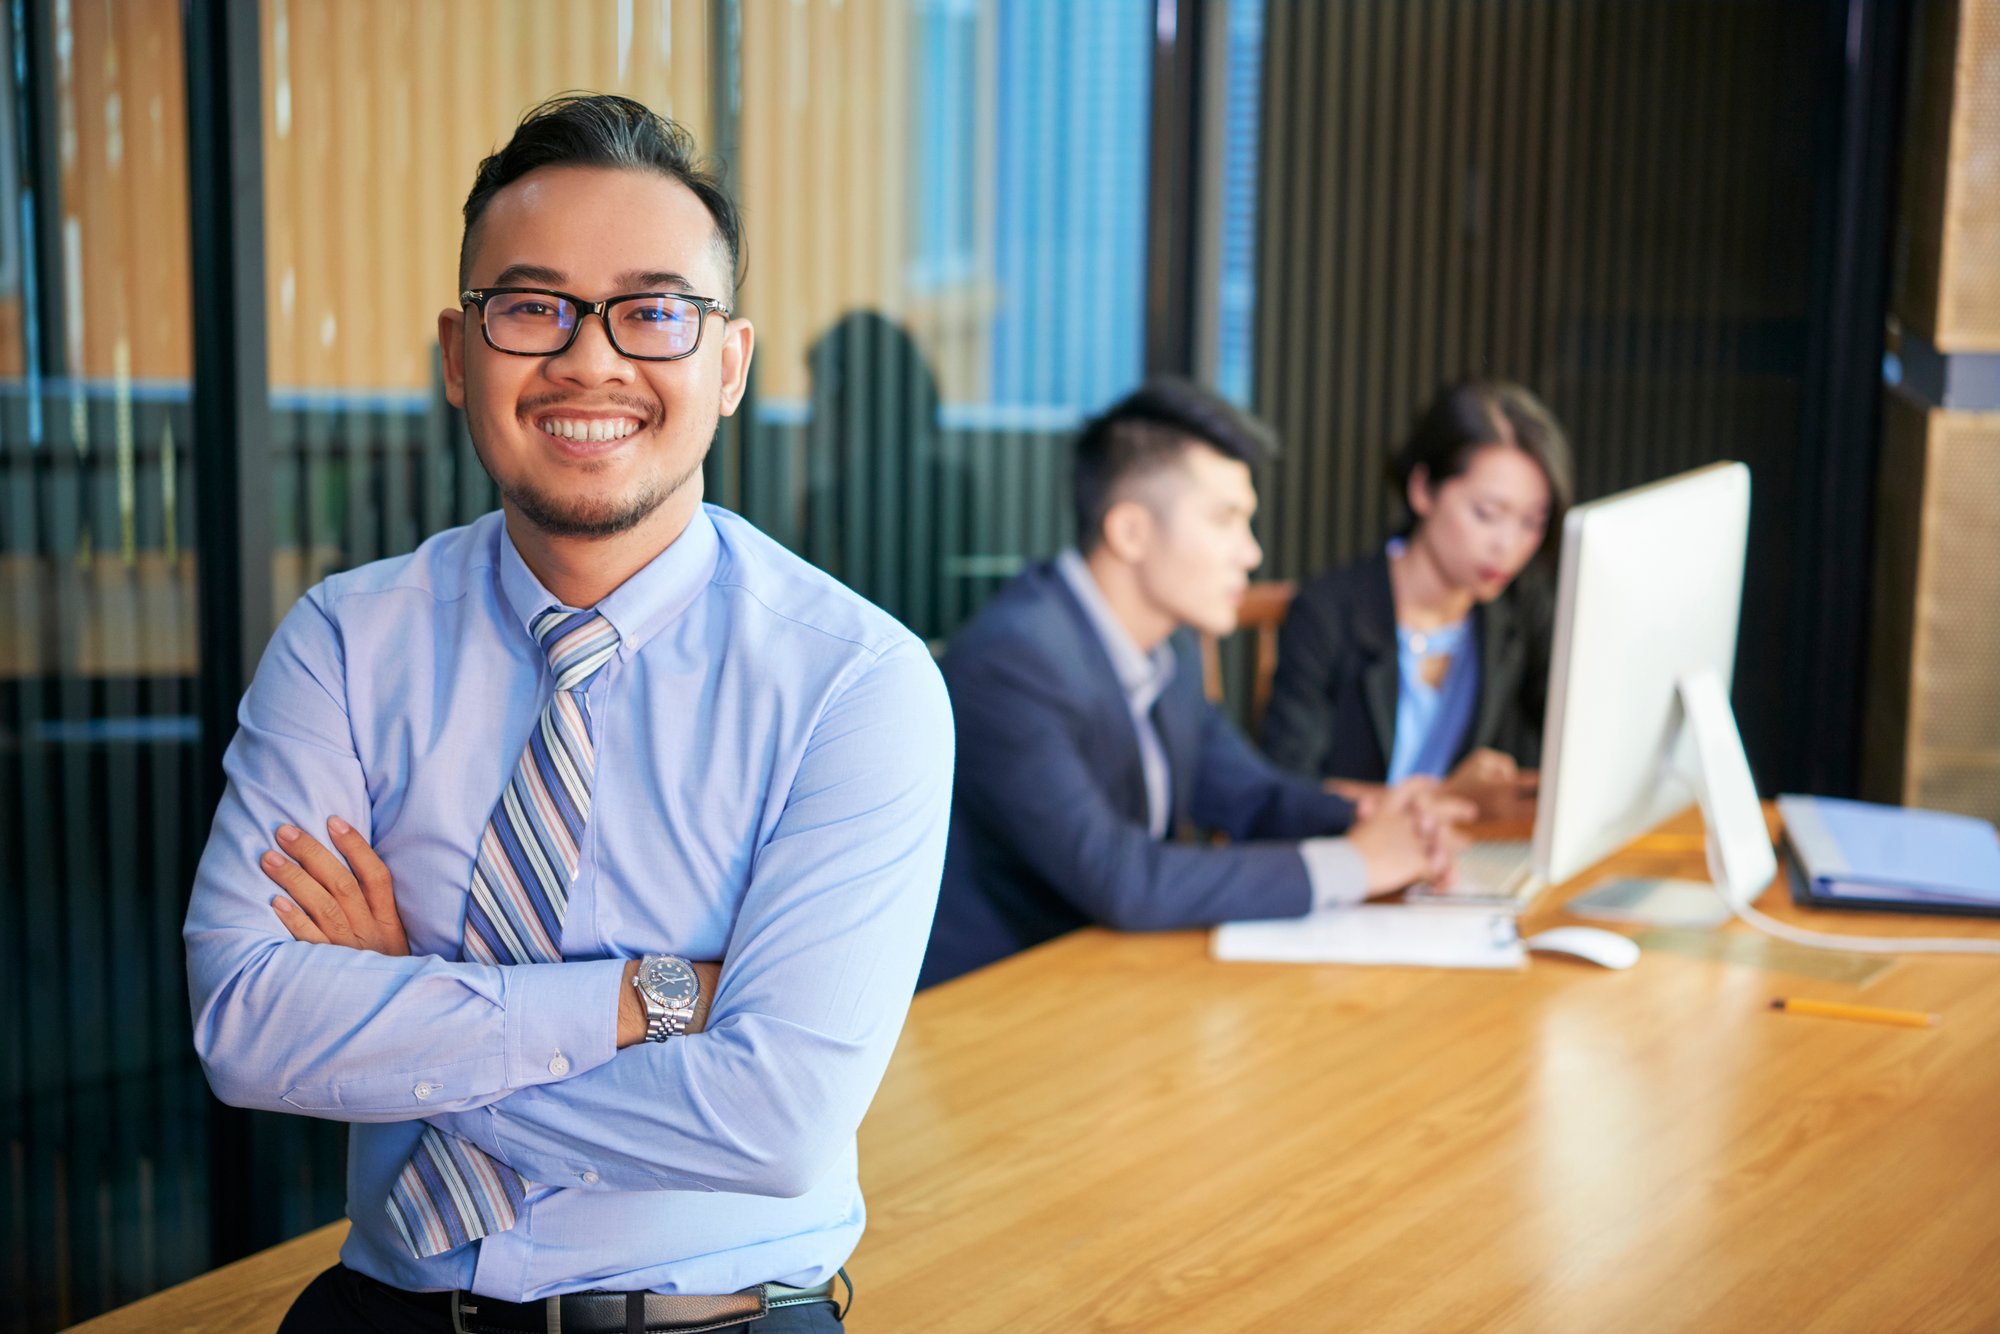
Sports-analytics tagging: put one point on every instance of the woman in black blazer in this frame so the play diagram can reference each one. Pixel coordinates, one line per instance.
(1431, 656)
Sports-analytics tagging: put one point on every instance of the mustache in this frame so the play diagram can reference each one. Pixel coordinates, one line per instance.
(649, 413)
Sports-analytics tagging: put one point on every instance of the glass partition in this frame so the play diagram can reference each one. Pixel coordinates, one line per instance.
(103, 1108)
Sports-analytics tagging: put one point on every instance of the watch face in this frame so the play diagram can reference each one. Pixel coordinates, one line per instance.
(669, 981)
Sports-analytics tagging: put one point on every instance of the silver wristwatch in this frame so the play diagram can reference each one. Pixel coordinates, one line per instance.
(669, 989)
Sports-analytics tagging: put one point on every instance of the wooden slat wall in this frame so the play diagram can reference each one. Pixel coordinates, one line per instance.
(376, 113)
(1611, 203)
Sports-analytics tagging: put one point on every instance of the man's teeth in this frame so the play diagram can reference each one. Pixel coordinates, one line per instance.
(595, 430)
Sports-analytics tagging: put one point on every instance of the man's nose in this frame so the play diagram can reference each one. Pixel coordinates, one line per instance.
(590, 358)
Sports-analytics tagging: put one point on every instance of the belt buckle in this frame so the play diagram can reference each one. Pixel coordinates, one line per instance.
(460, 1309)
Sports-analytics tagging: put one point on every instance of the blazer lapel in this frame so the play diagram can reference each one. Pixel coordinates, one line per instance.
(1375, 637)
(1110, 712)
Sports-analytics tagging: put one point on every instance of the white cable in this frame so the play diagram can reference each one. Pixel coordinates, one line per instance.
(1826, 940)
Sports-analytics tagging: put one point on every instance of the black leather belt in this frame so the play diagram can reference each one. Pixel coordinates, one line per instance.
(617, 1312)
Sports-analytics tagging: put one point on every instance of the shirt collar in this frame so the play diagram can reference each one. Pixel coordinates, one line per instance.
(1142, 676)
(639, 608)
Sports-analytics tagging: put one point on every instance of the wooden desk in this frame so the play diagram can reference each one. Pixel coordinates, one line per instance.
(1115, 1132)
(1110, 1132)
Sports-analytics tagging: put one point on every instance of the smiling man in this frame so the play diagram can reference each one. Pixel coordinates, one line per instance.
(1089, 750)
(635, 818)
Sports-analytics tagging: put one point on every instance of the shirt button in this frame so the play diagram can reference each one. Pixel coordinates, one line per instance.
(588, 1178)
(424, 1090)
(559, 1065)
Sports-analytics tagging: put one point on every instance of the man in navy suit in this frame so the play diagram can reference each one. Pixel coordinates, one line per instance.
(1086, 751)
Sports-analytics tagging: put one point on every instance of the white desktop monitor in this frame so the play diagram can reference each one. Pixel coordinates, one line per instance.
(1638, 722)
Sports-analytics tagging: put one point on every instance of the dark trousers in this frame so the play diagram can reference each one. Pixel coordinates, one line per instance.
(341, 1301)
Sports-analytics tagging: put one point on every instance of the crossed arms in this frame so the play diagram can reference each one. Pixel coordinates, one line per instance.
(821, 956)
(349, 899)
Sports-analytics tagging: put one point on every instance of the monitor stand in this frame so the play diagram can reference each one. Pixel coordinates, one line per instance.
(1740, 859)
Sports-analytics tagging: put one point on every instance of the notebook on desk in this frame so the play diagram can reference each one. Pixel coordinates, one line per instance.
(1377, 933)
(1498, 876)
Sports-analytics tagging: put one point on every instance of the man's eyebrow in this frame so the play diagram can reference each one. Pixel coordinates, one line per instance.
(653, 280)
(632, 280)
(517, 275)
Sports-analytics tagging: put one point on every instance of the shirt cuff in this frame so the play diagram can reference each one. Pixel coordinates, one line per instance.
(562, 1018)
(1338, 876)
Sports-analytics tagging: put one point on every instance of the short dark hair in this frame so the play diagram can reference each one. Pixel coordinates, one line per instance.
(605, 130)
(1151, 429)
(1472, 414)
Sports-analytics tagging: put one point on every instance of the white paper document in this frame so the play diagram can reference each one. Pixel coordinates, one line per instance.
(1378, 934)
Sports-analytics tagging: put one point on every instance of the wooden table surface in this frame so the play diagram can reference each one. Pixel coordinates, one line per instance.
(1115, 1132)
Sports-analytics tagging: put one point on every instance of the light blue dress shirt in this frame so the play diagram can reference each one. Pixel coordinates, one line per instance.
(773, 783)
(1431, 720)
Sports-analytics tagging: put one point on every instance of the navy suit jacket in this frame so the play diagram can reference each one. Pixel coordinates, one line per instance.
(1048, 821)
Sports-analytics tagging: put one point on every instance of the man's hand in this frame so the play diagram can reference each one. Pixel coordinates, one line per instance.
(332, 901)
(1367, 797)
(1437, 808)
(632, 1013)
(1497, 787)
(1412, 835)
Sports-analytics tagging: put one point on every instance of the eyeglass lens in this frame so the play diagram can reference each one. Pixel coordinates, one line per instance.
(537, 324)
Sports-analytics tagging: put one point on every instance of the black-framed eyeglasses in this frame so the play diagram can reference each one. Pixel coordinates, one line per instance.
(539, 322)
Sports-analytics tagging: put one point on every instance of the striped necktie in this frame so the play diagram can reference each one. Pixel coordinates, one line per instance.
(450, 1192)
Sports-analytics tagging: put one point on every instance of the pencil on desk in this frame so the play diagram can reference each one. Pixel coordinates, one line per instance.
(1866, 1013)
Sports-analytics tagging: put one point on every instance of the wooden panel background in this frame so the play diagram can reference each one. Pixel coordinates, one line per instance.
(1611, 203)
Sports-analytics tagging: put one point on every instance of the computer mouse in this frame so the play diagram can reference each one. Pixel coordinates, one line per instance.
(1587, 942)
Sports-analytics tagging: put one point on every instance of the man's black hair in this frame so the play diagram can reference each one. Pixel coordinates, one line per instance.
(604, 130)
(1147, 431)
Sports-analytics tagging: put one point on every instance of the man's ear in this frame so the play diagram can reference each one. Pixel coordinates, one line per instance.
(451, 344)
(1129, 529)
(739, 340)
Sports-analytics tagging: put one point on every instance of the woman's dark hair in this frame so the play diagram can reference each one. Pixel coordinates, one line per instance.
(604, 130)
(1467, 417)
(1147, 431)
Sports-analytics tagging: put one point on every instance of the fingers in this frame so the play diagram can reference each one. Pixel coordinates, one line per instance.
(1442, 849)
(321, 863)
(1411, 791)
(1528, 781)
(1456, 810)
(1434, 806)
(1491, 766)
(296, 922)
(348, 896)
(377, 886)
(307, 892)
